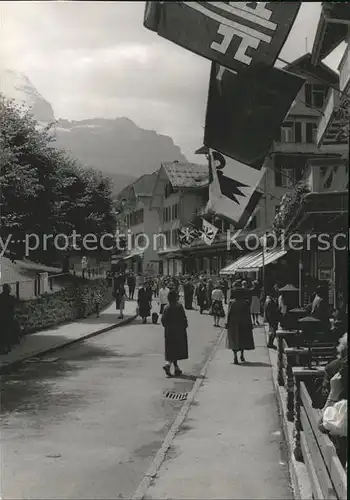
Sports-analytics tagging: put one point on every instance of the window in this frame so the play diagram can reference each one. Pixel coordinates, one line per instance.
(175, 212)
(315, 95)
(297, 132)
(287, 132)
(284, 176)
(168, 190)
(175, 237)
(311, 133)
(167, 235)
(288, 178)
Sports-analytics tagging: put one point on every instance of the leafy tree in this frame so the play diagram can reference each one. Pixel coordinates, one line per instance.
(42, 189)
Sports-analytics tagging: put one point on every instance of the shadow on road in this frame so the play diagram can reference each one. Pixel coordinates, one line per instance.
(254, 363)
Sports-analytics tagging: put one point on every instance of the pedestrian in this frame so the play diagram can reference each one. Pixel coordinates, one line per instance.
(239, 324)
(202, 295)
(163, 297)
(255, 303)
(320, 308)
(144, 302)
(131, 285)
(210, 288)
(217, 297)
(10, 330)
(120, 294)
(175, 325)
(271, 316)
(188, 294)
(224, 287)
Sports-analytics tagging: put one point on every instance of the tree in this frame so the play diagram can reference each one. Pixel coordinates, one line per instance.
(43, 191)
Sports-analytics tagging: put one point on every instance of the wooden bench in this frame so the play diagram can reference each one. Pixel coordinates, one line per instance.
(327, 476)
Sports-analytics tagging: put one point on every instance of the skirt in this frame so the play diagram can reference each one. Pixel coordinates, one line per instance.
(217, 309)
(120, 302)
(255, 305)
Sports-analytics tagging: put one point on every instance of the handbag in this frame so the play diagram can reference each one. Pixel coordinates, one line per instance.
(335, 419)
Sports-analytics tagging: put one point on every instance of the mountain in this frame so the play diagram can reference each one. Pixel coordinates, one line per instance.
(118, 148)
(17, 86)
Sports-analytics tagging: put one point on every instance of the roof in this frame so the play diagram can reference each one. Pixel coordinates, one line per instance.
(187, 175)
(319, 70)
(329, 35)
(144, 185)
(254, 261)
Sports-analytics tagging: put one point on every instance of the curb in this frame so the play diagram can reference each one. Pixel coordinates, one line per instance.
(297, 470)
(13, 364)
(160, 456)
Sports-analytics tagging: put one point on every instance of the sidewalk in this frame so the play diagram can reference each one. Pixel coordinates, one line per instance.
(45, 341)
(230, 445)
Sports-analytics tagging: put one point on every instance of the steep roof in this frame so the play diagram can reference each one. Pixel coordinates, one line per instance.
(144, 185)
(186, 175)
(303, 66)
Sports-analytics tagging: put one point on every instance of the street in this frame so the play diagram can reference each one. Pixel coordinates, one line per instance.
(87, 421)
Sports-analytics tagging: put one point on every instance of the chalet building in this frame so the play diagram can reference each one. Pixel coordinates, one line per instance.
(138, 223)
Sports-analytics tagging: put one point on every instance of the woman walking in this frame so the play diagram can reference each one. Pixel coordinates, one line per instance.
(175, 325)
(217, 297)
(255, 303)
(144, 302)
(120, 293)
(239, 324)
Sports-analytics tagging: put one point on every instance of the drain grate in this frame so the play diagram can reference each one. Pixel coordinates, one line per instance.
(176, 396)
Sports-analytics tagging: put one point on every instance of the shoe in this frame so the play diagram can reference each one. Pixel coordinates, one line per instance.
(242, 359)
(177, 372)
(271, 346)
(121, 317)
(235, 361)
(166, 368)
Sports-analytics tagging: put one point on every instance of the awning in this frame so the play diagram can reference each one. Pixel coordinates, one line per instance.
(136, 253)
(254, 261)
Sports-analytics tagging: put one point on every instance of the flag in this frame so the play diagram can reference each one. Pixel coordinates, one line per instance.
(236, 35)
(233, 192)
(245, 112)
(209, 232)
(187, 235)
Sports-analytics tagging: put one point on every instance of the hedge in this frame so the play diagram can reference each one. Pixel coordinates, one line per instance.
(75, 301)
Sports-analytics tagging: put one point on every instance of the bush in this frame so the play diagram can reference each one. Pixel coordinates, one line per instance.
(75, 301)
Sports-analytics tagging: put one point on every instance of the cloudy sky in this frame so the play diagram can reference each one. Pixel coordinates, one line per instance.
(95, 59)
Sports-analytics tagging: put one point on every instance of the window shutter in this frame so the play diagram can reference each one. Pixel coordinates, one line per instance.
(308, 94)
(278, 175)
(309, 133)
(297, 132)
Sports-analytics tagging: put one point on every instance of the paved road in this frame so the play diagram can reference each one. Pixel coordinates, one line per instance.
(87, 425)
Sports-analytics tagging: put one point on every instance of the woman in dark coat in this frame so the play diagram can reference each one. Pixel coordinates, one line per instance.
(175, 325)
(202, 297)
(239, 324)
(144, 301)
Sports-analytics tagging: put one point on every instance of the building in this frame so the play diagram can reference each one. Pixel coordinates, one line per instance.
(181, 191)
(287, 164)
(139, 224)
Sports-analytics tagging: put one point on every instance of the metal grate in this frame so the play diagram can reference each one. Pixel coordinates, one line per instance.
(176, 396)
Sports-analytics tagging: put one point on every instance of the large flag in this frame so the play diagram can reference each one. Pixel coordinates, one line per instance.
(235, 34)
(233, 192)
(245, 112)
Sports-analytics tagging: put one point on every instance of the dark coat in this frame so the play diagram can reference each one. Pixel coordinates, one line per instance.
(175, 325)
(271, 312)
(239, 325)
(144, 301)
(202, 296)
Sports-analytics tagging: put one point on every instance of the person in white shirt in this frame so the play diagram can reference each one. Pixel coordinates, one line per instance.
(163, 297)
(217, 297)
